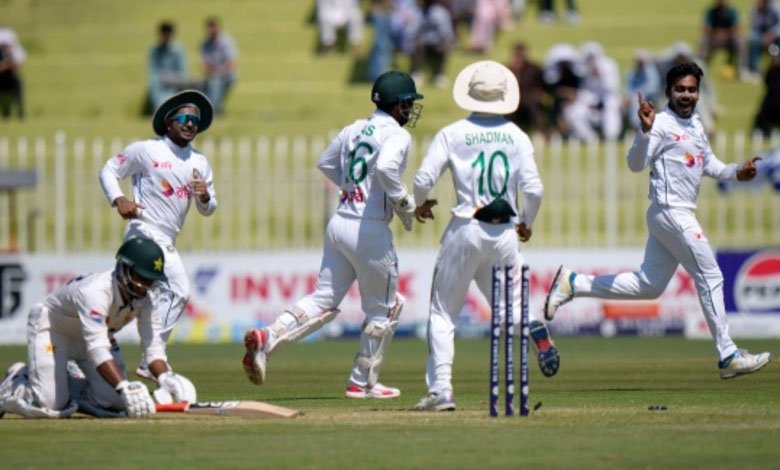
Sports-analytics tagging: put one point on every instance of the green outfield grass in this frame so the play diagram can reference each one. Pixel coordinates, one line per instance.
(593, 414)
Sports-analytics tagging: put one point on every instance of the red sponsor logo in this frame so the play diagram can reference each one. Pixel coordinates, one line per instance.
(289, 288)
(121, 158)
(54, 280)
(162, 165)
(757, 286)
(692, 160)
(96, 316)
(680, 137)
(182, 192)
(356, 195)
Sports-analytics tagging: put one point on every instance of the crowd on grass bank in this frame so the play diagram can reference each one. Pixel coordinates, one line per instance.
(578, 91)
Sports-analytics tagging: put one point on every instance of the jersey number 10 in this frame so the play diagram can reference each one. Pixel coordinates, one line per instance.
(480, 162)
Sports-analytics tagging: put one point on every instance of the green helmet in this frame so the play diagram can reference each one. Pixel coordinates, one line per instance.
(144, 257)
(392, 87)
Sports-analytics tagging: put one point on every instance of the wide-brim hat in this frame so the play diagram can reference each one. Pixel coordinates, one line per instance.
(183, 98)
(487, 87)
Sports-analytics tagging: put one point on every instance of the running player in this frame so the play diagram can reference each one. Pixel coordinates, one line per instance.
(365, 161)
(675, 147)
(168, 173)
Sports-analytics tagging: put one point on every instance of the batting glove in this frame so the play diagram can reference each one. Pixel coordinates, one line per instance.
(404, 207)
(136, 398)
(178, 386)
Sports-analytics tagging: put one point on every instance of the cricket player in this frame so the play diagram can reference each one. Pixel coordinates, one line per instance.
(77, 323)
(675, 147)
(168, 173)
(365, 161)
(492, 162)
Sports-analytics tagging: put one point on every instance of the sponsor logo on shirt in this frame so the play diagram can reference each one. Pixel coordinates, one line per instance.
(691, 160)
(96, 317)
(681, 137)
(162, 165)
(121, 158)
(182, 192)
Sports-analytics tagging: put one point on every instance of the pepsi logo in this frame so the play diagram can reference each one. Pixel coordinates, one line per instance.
(757, 286)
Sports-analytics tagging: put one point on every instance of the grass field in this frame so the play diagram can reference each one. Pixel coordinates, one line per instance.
(593, 414)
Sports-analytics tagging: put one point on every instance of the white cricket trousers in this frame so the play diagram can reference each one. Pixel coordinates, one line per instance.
(675, 237)
(362, 250)
(469, 250)
(52, 341)
(174, 294)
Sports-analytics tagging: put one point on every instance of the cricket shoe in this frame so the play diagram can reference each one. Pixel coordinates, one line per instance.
(437, 401)
(561, 291)
(255, 358)
(143, 371)
(546, 352)
(378, 391)
(741, 362)
(6, 386)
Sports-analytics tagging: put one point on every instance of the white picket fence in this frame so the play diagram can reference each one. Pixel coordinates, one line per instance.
(272, 197)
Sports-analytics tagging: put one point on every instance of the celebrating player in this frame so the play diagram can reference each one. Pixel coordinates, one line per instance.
(491, 161)
(167, 174)
(77, 323)
(675, 147)
(365, 161)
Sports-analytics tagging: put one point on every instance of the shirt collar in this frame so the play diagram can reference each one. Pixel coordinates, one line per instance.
(182, 153)
(379, 114)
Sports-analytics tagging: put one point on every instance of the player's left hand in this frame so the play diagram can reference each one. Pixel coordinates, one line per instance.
(199, 187)
(748, 170)
(523, 232)
(178, 386)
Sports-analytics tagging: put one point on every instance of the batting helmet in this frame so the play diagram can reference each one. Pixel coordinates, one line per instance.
(392, 87)
(140, 262)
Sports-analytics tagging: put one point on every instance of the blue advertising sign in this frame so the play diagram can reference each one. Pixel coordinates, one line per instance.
(751, 280)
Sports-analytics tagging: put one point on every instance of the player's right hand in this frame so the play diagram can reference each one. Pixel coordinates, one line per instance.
(136, 398)
(424, 211)
(646, 113)
(405, 207)
(127, 208)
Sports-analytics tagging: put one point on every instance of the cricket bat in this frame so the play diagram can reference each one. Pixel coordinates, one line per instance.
(243, 408)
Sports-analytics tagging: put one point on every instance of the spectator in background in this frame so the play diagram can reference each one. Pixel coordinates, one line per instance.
(462, 12)
(12, 55)
(721, 31)
(600, 89)
(489, 17)
(434, 40)
(768, 115)
(333, 15)
(395, 25)
(529, 115)
(642, 78)
(563, 79)
(547, 13)
(219, 55)
(380, 59)
(167, 73)
(764, 28)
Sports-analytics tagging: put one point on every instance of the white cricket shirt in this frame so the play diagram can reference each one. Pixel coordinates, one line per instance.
(366, 161)
(162, 182)
(679, 154)
(489, 157)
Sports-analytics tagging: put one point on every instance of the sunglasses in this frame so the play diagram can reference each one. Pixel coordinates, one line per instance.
(185, 118)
